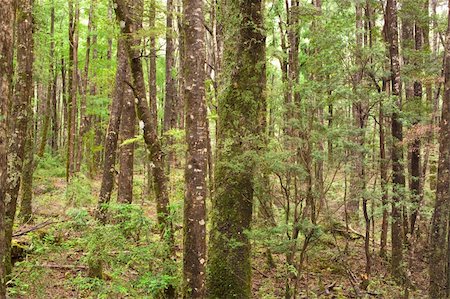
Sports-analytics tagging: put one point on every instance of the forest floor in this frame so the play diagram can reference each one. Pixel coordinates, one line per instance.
(53, 261)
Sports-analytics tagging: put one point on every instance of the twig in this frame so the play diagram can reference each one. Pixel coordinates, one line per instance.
(257, 270)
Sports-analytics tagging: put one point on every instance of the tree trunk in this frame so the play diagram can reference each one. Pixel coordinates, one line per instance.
(18, 120)
(83, 116)
(171, 89)
(240, 111)
(415, 182)
(113, 131)
(54, 100)
(194, 248)
(26, 210)
(7, 11)
(439, 227)
(126, 152)
(398, 176)
(73, 85)
(51, 90)
(383, 182)
(125, 17)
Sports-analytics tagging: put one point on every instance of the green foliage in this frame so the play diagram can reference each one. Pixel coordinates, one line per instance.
(79, 192)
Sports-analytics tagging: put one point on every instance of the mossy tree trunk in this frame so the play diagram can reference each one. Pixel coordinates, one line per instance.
(439, 228)
(6, 71)
(26, 211)
(240, 109)
(18, 120)
(398, 176)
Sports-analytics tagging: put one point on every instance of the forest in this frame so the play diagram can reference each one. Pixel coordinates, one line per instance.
(224, 149)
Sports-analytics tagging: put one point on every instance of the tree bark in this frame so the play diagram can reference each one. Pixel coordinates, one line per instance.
(74, 13)
(398, 176)
(240, 111)
(26, 211)
(7, 16)
(415, 147)
(83, 117)
(18, 120)
(194, 248)
(126, 152)
(113, 131)
(125, 18)
(169, 121)
(439, 227)
(54, 101)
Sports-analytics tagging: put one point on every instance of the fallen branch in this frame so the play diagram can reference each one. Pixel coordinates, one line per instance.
(257, 270)
(33, 228)
(70, 267)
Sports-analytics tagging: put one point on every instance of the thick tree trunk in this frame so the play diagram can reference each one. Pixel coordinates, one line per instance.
(7, 16)
(398, 176)
(439, 228)
(26, 211)
(18, 120)
(113, 131)
(194, 248)
(240, 111)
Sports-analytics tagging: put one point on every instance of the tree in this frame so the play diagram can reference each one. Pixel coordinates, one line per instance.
(7, 15)
(126, 151)
(398, 177)
(439, 227)
(170, 100)
(112, 135)
(240, 112)
(18, 120)
(74, 15)
(194, 248)
(127, 19)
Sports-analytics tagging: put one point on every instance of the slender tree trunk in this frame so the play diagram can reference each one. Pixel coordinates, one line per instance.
(83, 116)
(439, 227)
(407, 39)
(124, 15)
(18, 120)
(240, 111)
(415, 148)
(74, 13)
(113, 130)
(194, 248)
(152, 69)
(50, 89)
(7, 16)
(54, 100)
(126, 151)
(383, 182)
(398, 176)
(171, 88)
